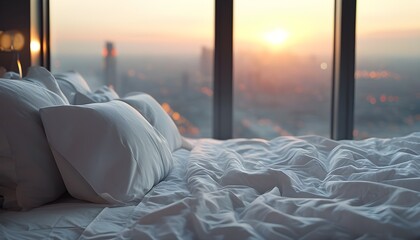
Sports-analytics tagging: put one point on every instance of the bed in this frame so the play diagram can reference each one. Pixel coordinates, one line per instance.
(307, 187)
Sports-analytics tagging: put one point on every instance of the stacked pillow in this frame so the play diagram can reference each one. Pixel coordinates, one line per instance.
(78, 92)
(106, 152)
(157, 117)
(103, 94)
(72, 82)
(28, 174)
(48, 146)
(40, 76)
(44, 78)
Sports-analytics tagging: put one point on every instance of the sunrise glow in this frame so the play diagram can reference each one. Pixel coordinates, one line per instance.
(276, 37)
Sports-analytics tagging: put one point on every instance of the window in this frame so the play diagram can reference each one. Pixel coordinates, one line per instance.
(282, 58)
(387, 73)
(282, 67)
(162, 47)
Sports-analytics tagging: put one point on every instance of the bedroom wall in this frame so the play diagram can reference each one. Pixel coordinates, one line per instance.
(15, 15)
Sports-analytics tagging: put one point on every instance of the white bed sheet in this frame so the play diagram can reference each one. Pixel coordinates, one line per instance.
(287, 188)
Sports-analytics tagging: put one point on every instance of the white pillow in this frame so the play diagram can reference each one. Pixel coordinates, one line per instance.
(157, 117)
(103, 94)
(74, 78)
(29, 176)
(106, 152)
(43, 77)
(11, 75)
(72, 82)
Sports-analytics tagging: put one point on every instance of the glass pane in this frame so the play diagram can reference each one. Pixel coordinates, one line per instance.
(283, 67)
(161, 47)
(387, 68)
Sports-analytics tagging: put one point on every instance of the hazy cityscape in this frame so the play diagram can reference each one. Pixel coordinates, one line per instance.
(282, 61)
(274, 93)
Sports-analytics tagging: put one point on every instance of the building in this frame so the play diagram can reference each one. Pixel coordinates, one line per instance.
(110, 66)
(206, 62)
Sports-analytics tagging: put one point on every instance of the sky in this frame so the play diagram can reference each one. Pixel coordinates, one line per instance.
(184, 26)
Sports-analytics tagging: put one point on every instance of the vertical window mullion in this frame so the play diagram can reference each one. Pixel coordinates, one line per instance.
(39, 32)
(223, 70)
(45, 35)
(343, 70)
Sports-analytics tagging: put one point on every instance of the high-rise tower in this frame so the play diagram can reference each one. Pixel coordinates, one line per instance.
(206, 62)
(110, 70)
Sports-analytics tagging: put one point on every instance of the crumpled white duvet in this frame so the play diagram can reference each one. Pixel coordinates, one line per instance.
(287, 188)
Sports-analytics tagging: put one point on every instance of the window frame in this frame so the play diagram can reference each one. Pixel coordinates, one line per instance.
(223, 70)
(40, 29)
(342, 101)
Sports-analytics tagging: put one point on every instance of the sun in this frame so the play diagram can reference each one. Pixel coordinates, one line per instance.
(276, 37)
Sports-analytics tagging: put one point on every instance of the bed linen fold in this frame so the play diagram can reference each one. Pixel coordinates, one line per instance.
(306, 187)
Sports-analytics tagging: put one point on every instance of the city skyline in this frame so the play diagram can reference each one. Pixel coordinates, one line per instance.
(269, 100)
(283, 54)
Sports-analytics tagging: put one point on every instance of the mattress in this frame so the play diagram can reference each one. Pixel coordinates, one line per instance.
(306, 187)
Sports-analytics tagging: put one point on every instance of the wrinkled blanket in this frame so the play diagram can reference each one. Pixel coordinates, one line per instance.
(288, 188)
(309, 187)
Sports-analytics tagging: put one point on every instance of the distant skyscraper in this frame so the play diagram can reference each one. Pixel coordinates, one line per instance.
(110, 70)
(206, 62)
